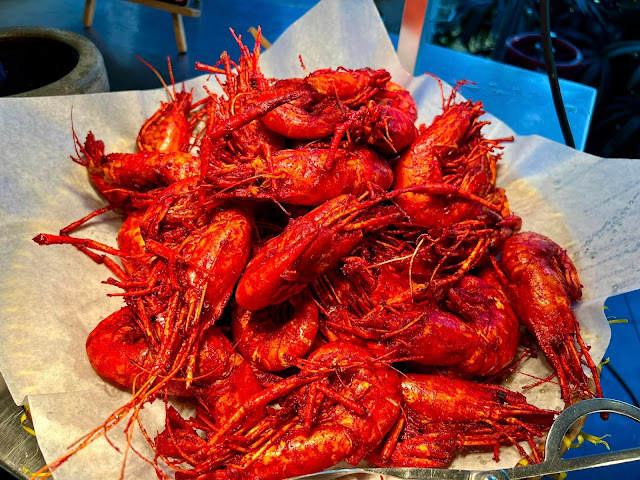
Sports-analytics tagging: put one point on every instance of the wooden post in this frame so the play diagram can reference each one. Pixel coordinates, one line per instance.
(413, 19)
(89, 10)
(178, 27)
(177, 12)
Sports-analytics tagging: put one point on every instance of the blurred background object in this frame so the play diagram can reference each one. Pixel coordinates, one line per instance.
(37, 61)
(605, 33)
(123, 30)
(177, 9)
(525, 50)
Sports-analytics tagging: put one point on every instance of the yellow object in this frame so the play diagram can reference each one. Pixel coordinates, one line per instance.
(23, 419)
(596, 440)
(559, 476)
(578, 442)
(36, 475)
(263, 41)
(618, 320)
(612, 319)
(582, 436)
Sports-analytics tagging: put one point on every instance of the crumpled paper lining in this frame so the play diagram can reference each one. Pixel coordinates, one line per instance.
(51, 297)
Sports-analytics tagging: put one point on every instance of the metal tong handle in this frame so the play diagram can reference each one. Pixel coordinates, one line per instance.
(553, 462)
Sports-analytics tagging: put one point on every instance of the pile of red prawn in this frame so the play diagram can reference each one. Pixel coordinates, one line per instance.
(323, 279)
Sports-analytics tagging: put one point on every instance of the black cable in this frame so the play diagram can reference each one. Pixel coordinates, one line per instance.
(553, 74)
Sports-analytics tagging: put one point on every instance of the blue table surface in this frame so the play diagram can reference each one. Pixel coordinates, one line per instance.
(623, 365)
(520, 98)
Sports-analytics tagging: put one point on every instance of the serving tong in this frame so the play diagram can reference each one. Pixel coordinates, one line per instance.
(553, 462)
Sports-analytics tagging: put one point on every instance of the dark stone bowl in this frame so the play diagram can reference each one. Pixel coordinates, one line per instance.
(38, 61)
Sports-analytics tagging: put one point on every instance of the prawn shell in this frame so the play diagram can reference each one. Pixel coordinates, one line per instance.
(422, 164)
(272, 342)
(145, 169)
(497, 330)
(168, 129)
(220, 250)
(398, 98)
(446, 414)
(131, 241)
(344, 83)
(296, 123)
(395, 132)
(231, 379)
(307, 247)
(432, 398)
(372, 385)
(339, 432)
(305, 180)
(323, 448)
(543, 284)
(119, 352)
(540, 293)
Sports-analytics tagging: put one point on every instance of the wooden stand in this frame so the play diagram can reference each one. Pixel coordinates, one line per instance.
(177, 12)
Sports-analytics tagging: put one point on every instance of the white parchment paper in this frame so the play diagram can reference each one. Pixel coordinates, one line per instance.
(51, 297)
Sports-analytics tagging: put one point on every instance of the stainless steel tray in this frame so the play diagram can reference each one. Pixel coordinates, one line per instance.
(19, 451)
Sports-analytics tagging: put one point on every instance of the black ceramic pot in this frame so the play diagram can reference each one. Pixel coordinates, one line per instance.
(38, 61)
(525, 50)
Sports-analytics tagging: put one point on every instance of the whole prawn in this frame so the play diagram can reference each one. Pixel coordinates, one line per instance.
(349, 405)
(474, 333)
(301, 176)
(134, 171)
(354, 101)
(322, 108)
(119, 352)
(542, 284)
(443, 415)
(275, 337)
(450, 150)
(169, 128)
(309, 246)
